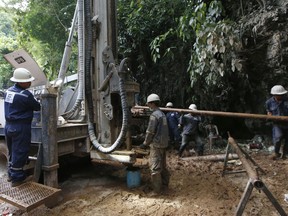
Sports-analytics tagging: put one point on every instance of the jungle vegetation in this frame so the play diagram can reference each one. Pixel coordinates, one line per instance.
(184, 50)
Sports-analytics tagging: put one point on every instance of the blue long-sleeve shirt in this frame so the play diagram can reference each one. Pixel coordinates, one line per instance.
(190, 124)
(277, 108)
(19, 105)
(172, 119)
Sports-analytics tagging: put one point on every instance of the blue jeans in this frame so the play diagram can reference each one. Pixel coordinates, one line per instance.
(278, 134)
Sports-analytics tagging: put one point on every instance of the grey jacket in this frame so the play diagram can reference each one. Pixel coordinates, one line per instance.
(157, 134)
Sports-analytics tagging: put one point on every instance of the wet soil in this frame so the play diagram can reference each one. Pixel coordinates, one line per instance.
(197, 187)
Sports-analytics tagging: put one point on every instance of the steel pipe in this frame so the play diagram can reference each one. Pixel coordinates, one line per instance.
(254, 181)
(218, 113)
(257, 183)
(219, 157)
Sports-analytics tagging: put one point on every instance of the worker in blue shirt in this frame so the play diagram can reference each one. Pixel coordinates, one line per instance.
(277, 105)
(19, 107)
(190, 125)
(173, 121)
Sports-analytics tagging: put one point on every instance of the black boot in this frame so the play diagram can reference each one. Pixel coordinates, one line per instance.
(156, 181)
(182, 148)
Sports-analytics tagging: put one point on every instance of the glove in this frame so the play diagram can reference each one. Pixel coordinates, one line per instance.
(143, 146)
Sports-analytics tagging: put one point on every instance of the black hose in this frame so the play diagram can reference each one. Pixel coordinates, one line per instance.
(88, 51)
(77, 105)
(88, 90)
(121, 137)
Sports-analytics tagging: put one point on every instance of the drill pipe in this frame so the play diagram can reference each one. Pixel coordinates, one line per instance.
(217, 113)
(219, 157)
(258, 184)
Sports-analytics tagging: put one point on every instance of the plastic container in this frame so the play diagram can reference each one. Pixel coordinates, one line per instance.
(133, 177)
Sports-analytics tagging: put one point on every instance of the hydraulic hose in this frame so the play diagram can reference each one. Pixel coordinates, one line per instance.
(88, 89)
(121, 137)
(80, 97)
(88, 51)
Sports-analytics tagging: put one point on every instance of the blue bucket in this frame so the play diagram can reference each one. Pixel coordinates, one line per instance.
(133, 178)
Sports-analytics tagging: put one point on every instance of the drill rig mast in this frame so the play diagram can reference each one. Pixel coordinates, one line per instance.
(91, 118)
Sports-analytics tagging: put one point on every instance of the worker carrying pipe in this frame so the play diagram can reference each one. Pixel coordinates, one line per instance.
(219, 113)
(277, 105)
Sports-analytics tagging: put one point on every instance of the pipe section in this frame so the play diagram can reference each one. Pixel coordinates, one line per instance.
(224, 114)
(67, 50)
(257, 183)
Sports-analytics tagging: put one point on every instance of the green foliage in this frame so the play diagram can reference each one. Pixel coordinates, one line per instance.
(193, 50)
(5, 27)
(216, 45)
(184, 50)
(155, 46)
(7, 44)
(43, 30)
(147, 34)
(214, 59)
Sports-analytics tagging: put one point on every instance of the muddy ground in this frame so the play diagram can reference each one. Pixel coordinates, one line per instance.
(197, 188)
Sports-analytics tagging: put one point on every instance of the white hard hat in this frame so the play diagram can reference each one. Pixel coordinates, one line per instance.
(153, 97)
(193, 107)
(169, 104)
(278, 90)
(22, 75)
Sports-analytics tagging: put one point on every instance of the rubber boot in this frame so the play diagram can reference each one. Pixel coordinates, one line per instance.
(165, 177)
(285, 151)
(182, 148)
(200, 150)
(275, 156)
(156, 182)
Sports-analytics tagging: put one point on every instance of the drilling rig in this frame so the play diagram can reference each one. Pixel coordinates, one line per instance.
(87, 113)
